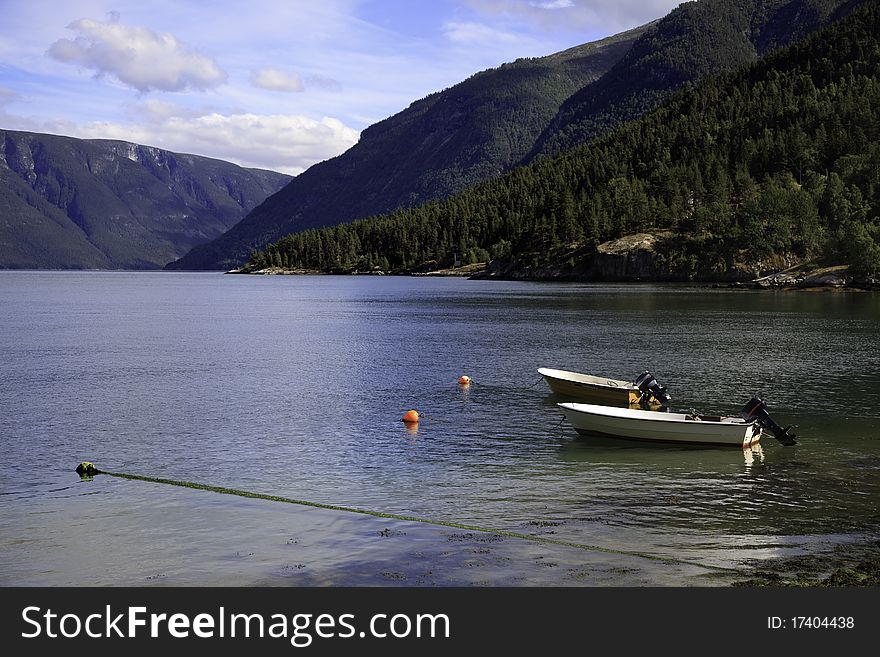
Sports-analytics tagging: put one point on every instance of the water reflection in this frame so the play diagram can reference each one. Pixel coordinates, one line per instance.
(610, 451)
(754, 455)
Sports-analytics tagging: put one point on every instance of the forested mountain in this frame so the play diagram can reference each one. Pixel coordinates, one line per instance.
(70, 203)
(484, 126)
(779, 157)
(693, 41)
(439, 145)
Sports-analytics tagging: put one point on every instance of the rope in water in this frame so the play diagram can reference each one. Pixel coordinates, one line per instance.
(394, 516)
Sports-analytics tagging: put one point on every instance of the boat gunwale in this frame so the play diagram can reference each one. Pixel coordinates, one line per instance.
(576, 379)
(737, 422)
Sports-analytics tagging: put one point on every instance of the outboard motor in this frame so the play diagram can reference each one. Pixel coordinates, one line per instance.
(756, 409)
(649, 387)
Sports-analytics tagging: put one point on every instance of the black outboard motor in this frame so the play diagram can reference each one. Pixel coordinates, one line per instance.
(756, 409)
(649, 387)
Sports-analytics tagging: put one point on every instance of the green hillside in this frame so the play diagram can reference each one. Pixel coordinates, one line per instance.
(695, 40)
(779, 157)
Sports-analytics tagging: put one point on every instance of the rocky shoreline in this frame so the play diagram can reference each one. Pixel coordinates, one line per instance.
(805, 278)
(637, 258)
(656, 258)
(855, 564)
(835, 277)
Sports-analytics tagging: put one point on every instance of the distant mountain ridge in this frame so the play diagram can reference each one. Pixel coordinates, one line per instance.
(69, 203)
(436, 147)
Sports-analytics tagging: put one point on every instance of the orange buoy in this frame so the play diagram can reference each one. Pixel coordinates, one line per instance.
(464, 380)
(411, 416)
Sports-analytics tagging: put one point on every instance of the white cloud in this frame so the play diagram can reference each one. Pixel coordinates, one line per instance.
(153, 110)
(286, 143)
(552, 4)
(478, 34)
(276, 80)
(137, 56)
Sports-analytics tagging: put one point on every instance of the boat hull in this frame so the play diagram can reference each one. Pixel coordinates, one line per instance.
(651, 426)
(591, 389)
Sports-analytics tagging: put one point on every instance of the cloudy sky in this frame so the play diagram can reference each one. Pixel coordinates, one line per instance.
(275, 84)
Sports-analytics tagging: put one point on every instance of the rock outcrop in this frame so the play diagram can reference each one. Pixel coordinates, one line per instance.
(662, 257)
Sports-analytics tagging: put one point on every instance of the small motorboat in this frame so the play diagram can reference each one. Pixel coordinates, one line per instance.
(601, 390)
(687, 428)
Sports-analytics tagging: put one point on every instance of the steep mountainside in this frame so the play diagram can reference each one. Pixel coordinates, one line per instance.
(70, 203)
(755, 170)
(695, 40)
(436, 147)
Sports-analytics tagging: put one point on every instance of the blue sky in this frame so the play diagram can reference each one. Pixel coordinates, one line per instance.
(276, 84)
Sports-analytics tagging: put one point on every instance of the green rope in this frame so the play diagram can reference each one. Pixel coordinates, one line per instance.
(394, 516)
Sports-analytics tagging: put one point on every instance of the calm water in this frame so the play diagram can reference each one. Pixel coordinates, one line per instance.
(295, 386)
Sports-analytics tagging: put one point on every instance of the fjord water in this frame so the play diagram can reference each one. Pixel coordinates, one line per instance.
(295, 386)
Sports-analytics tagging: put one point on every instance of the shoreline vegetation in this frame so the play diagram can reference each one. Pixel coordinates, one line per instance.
(637, 258)
(800, 278)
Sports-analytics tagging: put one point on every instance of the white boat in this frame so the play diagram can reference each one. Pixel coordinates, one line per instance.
(654, 426)
(603, 390)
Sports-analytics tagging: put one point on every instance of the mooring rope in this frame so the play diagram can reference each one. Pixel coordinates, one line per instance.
(395, 516)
